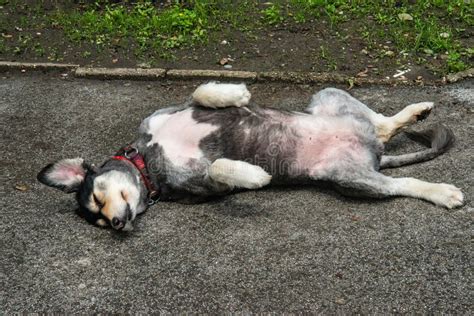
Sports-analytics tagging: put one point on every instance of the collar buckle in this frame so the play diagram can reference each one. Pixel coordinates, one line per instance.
(130, 152)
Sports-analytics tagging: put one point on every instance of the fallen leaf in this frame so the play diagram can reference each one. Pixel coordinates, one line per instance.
(355, 218)
(428, 51)
(7, 35)
(351, 84)
(115, 60)
(21, 187)
(223, 61)
(405, 17)
(363, 73)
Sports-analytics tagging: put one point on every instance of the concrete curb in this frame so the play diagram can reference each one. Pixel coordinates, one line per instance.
(120, 73)
(222, 75)
(11, 65)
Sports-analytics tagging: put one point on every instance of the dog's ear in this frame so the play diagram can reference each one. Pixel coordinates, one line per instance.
(66, 174)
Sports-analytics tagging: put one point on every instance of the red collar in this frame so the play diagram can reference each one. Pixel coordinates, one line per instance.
(131, 155)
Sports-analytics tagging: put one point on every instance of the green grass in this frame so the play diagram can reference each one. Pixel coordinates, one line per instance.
(150, 27)
(142, 23)
(429, 30)
(433, 29)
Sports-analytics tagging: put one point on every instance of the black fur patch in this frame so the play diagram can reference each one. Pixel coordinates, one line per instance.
(259, 137)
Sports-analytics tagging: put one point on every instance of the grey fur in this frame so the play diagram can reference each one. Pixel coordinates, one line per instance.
(438, 137)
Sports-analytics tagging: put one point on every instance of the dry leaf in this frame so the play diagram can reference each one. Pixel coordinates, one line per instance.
(363, 73)
(224, 61)
(21, 187)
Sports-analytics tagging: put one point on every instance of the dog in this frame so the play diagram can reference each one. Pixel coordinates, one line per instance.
(218, 142)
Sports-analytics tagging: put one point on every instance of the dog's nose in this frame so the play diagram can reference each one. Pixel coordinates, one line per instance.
(117, 223)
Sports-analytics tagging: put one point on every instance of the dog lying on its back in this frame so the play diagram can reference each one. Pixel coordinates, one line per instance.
(217, 142)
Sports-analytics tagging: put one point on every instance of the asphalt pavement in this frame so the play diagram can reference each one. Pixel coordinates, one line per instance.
(283, 249)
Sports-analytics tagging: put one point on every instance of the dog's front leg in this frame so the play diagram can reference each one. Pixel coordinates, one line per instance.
(239, 174)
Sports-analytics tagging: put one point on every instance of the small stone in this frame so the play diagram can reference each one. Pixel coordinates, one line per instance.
(340, 301)
(84, 262)
(81, 286)
(144, 65)
(224, 42)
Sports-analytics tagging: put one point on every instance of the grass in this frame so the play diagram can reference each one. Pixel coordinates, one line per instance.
(427, 29)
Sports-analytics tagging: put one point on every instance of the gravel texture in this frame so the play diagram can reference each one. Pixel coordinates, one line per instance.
(302, 249)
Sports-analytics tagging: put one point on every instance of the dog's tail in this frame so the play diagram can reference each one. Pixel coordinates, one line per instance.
(438, 137)
(220, 95)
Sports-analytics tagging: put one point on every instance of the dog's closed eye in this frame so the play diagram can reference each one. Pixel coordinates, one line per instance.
(97, 201)
(124, 195)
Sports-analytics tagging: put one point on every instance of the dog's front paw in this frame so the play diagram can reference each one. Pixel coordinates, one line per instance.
(447, 195)
(239, 174)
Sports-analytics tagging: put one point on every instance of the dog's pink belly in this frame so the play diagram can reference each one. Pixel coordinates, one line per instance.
(179, 136)
(324, 144)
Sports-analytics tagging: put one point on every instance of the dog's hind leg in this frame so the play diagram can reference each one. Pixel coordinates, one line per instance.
(238, 174)
(336, 102)
(386, 127)
(375, 184)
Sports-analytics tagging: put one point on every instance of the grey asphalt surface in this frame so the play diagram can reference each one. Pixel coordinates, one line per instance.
(274, 250)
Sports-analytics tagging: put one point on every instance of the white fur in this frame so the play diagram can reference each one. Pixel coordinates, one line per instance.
(112, 184)
(442, 194)
(239, 174)
(389, 126)
(221, 95)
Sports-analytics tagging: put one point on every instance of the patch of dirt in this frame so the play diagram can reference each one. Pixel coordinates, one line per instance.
(313, 46)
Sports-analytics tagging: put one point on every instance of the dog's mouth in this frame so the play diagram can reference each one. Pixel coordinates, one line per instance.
(128, 226)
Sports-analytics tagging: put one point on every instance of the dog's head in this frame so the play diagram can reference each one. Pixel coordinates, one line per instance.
(110, 195)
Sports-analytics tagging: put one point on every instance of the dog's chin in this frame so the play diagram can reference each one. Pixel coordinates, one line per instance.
(128, 227)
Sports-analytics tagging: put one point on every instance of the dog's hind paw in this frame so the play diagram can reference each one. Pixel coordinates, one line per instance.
(221, 95)
(420, 111)
(447, 195)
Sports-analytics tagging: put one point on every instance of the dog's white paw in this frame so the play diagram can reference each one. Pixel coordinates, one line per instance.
(446, 195)
(221, 95)
(420, 111)
(239, 174)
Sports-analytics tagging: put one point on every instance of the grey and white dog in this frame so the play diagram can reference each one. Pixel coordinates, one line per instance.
(218, 143)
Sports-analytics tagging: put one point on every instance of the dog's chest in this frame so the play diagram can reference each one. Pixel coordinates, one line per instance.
(178, 135)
